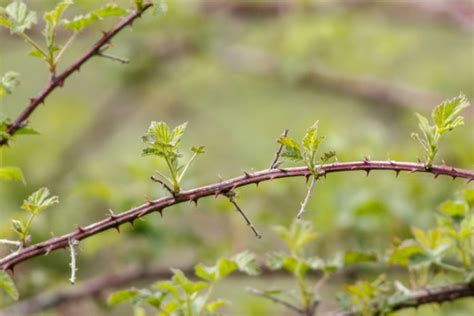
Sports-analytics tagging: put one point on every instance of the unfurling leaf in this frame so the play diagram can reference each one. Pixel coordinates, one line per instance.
(39, 200)
(446, 115)
(52, 20)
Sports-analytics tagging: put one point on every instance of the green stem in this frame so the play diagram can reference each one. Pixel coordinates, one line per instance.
(186, 167)
(34, 44)
(206, 298)
(27, 228)
(173, 175)
(65, 47)
(450, 267)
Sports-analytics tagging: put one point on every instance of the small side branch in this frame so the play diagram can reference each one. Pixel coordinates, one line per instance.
(11, 242)
(306, 199)
(276, 300)
(275, 162)
(73, 249)
(230, 195)
(166, 186)
(113, 57)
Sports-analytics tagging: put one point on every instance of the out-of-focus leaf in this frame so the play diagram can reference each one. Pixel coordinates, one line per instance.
(19, 17)
(7, 284)
(122, 296)
(354, 257)
(11, 173)
(9, 82)
(81, 21)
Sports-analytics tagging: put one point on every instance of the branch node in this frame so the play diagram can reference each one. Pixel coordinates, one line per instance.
(80, 229)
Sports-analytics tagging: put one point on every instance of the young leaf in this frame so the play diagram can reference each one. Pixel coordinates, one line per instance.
(247, 263)
(81, 21)
(7, 284)
(11, 173)
(292, 149)
(39, 200)
(122, 296)
(9, 82)
(19, 17)
(52, 20)
(446, 115)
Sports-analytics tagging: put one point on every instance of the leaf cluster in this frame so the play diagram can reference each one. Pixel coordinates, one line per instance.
(305, 152)
(164, 143)
(445, 118)
(180, 296)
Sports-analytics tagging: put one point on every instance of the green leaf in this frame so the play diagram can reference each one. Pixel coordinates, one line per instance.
(189, 287)
(247, 262)
(298, 235)
(215, 305)
(7, 284)
(5, 22)
(446, 116)
(312, 139)
(81, 21)
(469, 197)
(160, 7)
(11, 173)
(52, 20)
(355, 257)
(38, 201)
(18, 227)
(292, 149)
(455, 210)
(9, 82)
(20, 17)
(198, 149)
(406, 254)
(122, 296)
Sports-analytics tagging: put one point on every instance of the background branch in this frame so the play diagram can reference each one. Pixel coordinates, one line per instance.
(58, 81)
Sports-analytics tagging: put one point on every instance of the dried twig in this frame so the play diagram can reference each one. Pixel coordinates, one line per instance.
(230, 195)
(275, 162)
(73, 250)
(164, 184)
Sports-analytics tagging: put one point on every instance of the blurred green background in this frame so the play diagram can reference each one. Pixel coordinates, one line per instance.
(239, 74)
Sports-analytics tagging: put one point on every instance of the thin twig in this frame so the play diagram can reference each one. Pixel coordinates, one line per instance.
(58, 81)
(306, 199)
(73, 249)
(113, 57)
(276, 300)
(275, 162)
(166, 186)
(11, 242)
(52, 244)
(230, 195)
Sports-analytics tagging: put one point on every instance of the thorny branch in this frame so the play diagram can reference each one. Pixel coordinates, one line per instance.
(439, 294)
(114, 221)
(58, 81)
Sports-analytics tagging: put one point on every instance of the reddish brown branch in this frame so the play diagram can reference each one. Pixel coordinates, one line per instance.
(58, 81)
(433, 295)
(114, 221)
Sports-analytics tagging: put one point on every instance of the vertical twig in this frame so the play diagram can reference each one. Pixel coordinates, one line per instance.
(72, 248)
(275, 162)
(230, 195)
(308, 196)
